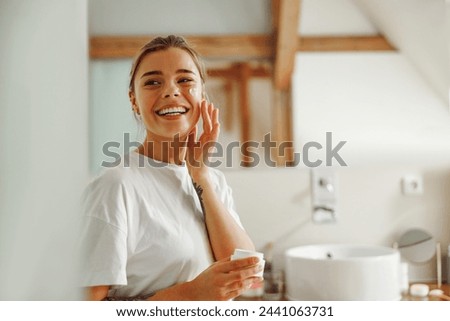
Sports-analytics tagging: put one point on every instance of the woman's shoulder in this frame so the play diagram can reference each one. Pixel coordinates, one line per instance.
(109, 186)
(117, 173)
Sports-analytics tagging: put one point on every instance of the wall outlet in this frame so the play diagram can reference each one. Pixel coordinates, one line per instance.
(412, 185)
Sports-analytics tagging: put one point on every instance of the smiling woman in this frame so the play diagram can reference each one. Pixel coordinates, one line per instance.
(160, 93)
(162, 225)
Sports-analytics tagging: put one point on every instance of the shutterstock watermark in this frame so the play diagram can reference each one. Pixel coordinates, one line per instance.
(215, 154)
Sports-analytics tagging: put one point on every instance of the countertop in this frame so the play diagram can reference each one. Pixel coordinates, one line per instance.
(407, 297)
(432, 286)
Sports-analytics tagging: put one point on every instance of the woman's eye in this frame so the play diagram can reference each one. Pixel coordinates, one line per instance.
(185, 80)
(151, 83)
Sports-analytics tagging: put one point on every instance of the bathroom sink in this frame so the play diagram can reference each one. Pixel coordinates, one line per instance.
(335, 272)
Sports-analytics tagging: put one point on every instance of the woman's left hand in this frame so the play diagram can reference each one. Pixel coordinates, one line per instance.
(198, 151)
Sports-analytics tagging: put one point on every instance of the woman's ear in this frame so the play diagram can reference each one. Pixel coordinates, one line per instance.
(132, 98)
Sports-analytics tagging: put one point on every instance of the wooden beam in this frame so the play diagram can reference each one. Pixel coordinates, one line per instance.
(228, 91)
(275, 15)
(247, 46)
(233, 46)
(363, 43)
(244, 106)
(282, 132)
(285, 19)
(234, 73)
(286, 41)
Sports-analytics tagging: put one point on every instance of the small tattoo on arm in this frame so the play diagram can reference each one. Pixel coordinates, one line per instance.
(199, 191)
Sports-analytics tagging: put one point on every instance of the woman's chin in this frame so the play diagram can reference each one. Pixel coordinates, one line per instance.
(175, 130)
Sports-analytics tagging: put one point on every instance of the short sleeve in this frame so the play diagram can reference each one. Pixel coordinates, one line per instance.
(103, 233)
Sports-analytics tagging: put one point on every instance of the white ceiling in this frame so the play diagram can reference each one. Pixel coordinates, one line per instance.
(334, 17)
(418, 29)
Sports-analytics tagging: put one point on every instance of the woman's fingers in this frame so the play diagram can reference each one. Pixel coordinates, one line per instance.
(238, 275)
(210, 117)
(192, 137)
(198, 146)
(234, 265)
(242, 285)
(215, 124)
(226, 279)
(239, 269)
(206, 116)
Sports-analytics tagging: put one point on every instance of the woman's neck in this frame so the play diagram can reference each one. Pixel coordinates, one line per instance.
(171, 151)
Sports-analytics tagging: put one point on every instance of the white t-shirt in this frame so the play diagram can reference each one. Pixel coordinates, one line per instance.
(144, 229)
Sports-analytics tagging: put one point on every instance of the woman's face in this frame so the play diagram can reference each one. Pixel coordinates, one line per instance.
(168, 92)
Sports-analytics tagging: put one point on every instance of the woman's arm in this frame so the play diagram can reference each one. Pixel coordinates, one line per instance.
(97, 293)
(224, 232)
(223, 280)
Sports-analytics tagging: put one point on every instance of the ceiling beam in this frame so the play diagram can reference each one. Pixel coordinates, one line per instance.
(286, 17)
(362, 43)
(233, 72)
(246, 46)
(231, 46)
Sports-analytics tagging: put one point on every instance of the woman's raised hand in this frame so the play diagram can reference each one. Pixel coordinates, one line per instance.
(198, 150)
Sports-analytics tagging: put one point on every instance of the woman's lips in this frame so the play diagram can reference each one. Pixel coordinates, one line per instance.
(172, 111)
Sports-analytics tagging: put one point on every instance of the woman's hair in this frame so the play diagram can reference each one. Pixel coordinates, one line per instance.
(161, 43)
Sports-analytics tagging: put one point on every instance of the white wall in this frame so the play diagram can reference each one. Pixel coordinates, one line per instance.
(394, 124)
(378, 102)
(43, 163)
(275, 207)
(110, 114)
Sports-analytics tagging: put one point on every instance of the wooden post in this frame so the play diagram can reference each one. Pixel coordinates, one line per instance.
(286, 31)
(244, 72)
(286, 15)
(282, 134)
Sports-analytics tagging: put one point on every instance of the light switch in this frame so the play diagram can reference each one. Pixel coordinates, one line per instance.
(412, 185)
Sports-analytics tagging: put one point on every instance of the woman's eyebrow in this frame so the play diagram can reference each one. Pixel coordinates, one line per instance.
(152, 72)
(158, 72)
(184, 71)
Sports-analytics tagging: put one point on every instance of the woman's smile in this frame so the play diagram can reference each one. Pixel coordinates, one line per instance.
(172, 111)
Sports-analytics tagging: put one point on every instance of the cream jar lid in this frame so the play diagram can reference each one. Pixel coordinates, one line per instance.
(420, 290)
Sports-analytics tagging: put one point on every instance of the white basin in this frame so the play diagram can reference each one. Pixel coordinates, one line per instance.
(334, 272)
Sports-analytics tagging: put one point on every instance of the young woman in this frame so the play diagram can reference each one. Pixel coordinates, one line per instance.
(162, 225)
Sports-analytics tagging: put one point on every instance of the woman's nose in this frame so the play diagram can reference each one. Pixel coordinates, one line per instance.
(171, 90)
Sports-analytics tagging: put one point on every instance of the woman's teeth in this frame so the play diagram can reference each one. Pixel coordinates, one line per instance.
(172, 111)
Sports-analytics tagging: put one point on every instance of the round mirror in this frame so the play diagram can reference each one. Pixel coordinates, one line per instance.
(417, 246)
